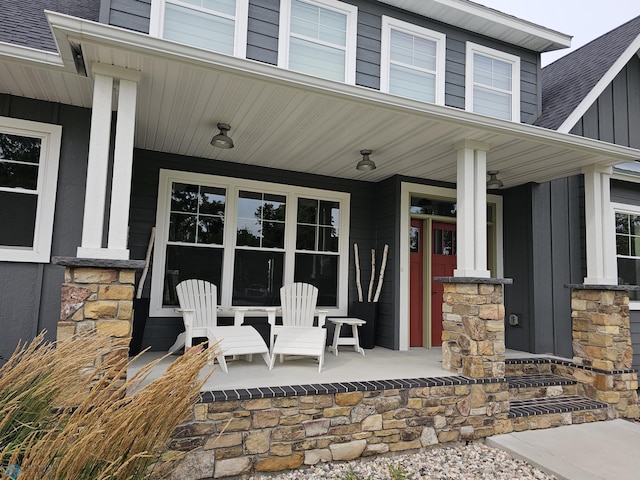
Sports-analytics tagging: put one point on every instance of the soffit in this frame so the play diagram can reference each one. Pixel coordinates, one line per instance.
(294, 122)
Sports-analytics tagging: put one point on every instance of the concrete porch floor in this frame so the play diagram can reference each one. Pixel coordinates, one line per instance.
(378, 364)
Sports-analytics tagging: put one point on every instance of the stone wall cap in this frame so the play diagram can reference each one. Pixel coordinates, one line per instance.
(480, 281)
(98, 262)
(617, 288)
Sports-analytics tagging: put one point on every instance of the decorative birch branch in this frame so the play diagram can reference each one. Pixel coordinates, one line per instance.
(357, 262)
(373, 274)
(381, 277)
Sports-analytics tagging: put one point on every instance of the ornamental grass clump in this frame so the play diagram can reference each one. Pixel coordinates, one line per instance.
(61, 417)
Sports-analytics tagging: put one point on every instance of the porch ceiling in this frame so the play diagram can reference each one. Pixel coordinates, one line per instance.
(282, 119)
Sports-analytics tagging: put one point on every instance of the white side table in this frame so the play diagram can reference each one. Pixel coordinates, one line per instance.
(338, 340)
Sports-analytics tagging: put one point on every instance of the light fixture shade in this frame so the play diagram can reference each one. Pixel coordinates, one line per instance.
(366, 164)
(222, 140)
(494, 181)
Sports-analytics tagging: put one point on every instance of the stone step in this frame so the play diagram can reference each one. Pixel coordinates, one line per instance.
(523, 387)
(566, 404)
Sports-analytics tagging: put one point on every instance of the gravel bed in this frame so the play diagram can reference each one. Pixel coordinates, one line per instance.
(475, 461)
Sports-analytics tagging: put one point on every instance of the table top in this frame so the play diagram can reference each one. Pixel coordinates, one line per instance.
(347, 320)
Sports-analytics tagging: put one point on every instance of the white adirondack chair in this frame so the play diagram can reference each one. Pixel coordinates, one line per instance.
(297, 335)
(198, 305)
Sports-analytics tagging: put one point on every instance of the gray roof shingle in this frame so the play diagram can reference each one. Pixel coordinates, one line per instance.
(24, 23)
(568, 80)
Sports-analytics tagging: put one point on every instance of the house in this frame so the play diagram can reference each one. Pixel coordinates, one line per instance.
(594, 92)
(107, 113)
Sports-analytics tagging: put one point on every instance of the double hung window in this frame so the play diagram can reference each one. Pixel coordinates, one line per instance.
(628, 248)
(492, 83)
(413, 61)
(249, 238)
(318, 37)
(29, 156)
(217, 25)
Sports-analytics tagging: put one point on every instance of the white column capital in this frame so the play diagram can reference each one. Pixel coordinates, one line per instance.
(471, 145)
(112, 71)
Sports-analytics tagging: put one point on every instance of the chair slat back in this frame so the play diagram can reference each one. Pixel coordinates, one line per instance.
(298, 304)
(201, 297)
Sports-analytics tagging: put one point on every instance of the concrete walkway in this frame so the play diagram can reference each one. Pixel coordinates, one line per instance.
(590, 451)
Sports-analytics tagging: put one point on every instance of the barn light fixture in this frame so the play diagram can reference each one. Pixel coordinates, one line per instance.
(494, 181)
(222, 140)
(366, 164)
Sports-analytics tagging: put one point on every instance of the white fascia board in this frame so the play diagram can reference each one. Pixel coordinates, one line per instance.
(31, 55)
(143, 44)
(559, 40)
(603, 83)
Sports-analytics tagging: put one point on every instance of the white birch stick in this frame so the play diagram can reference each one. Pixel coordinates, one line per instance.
(373, 274)
(146, 263)
(357, 262)
(381, 278)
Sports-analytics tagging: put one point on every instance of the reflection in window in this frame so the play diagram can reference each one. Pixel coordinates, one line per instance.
(628, 250)
(19, 169)
(414, 240)
(197, 214)
(261, 220)
(427, 206)
(257, 277)
(444, 241)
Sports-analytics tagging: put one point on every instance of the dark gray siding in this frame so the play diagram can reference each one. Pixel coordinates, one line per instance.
(30, 293)
(629, 193)
(161, 332)
(262, 45)
(543, 251)
(130, 14)
(262, 34)
(615, 115)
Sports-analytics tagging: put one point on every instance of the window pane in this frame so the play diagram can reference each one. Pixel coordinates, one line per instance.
(274, 207)
(629, 274)
(307, 211)
(634, 243)
(328, 241)
(184, 198)
(306, 237)
(622, 244)
(490, 102)
(318, 23)
(412, 50)
(199, 29)
(184, 263)
(622, 223)
(428, 206)
(321, 271)
(255, 210)
(257, 277)
(19, 158)
(329, 213)
(210, 230)
(223, 6)
(318, 60)
(212, 200)
(412, 83)
(17, 219)
(634, 224)
(182, 228)
(248, 233)
(273, 234)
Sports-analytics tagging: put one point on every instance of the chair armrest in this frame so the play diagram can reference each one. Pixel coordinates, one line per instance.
(322, 316)
(187, 316)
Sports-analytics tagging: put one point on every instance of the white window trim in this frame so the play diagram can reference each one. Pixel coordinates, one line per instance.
(156, 23)
(498, 55)
(351, 11)
(389, 23)
(631, 210)
(233, 185)
(51, 136)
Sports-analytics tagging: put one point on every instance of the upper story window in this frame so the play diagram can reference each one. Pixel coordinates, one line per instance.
(249, 238)
(628, 247)
(413, 61)
(29, 157)
(492, 82)
(216, 25)
(318, 37)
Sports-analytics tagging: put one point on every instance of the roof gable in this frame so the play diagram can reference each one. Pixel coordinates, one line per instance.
(571, 84)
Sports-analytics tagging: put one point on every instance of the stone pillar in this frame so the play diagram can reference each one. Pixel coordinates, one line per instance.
(473, 342)
(97, 295)
(602, 341)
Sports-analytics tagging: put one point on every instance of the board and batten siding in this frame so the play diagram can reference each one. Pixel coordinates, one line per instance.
(30, 292)
(262, 45)
(161, 332)
(543, 251)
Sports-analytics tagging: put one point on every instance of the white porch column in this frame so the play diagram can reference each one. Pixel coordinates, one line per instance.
(472, 210)
(105, 78)
(600, 227)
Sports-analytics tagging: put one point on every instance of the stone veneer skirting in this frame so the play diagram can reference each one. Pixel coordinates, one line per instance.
(269, 429)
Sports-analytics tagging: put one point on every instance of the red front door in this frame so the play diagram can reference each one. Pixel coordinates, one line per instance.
(416, 284)
(443, 262)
